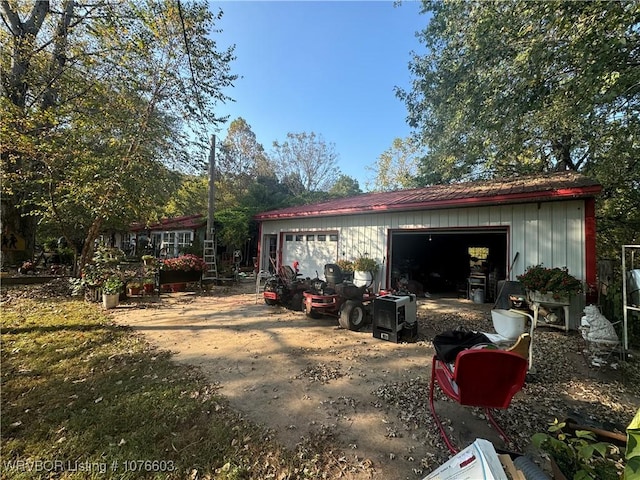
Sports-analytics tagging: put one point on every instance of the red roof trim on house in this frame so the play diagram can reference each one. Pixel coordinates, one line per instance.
(540, 188)
(187, 222)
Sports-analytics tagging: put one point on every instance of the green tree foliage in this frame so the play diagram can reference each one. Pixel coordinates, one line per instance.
(245, 184)
(306, 162)
(396, 167)
(191, 197)
(345, 186)
(101, 100)
(241, 155)
(234, 231)
(522, 87)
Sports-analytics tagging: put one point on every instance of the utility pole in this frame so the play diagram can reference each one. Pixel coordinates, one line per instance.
(212, 189)
(210, 248)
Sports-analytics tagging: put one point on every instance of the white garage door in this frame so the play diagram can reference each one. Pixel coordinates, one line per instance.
(312, 250)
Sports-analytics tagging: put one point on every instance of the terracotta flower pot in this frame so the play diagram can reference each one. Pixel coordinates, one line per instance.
(178, 287)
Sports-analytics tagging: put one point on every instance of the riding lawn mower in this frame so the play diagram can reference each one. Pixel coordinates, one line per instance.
(339, 298)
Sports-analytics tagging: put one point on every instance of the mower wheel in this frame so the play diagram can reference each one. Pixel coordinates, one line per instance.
(352, 315)
(271, 302)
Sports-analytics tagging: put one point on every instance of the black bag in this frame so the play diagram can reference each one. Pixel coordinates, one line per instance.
(449, 344)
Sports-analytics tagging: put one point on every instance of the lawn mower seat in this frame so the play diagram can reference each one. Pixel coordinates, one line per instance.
(336, 283)
(480, 377)
(287, 274)
(333, 274)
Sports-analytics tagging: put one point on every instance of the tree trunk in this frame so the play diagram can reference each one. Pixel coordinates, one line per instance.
(87, 248)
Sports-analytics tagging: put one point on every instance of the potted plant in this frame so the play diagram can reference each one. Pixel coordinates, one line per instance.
(111, 289)
(104, 264)
(580, 455)
(365, 270)
(365, 264)
(182, 269)
(345, 265)
(134, 287)
(148, 285)
(550, 284)
(148, 260)
(347, 269)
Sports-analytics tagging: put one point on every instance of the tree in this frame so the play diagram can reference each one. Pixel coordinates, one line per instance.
(191, 197)
(508, 88)
(306, 163)
(103, 96)
(240, 153)
(507, 83)
(345, 186)
(396, 167)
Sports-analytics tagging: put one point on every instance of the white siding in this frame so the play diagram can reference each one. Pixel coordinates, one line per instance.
(551, 233)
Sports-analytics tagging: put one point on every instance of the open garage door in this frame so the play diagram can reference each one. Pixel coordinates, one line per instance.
(442, 261)
(312, 250)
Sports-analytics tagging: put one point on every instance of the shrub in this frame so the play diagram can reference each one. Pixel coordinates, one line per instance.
(550, 280)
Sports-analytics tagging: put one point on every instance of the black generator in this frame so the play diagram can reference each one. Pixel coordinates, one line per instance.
(394, 317)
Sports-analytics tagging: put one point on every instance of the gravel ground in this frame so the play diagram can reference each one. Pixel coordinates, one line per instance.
(565, 383)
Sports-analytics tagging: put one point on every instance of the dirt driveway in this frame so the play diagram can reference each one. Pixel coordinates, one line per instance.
(304, 378)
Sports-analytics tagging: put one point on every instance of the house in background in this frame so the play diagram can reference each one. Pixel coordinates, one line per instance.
(439, 236)
(169, 236)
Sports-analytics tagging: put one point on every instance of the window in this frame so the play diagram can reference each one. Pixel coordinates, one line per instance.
(322, 238)
(333, 238)
(156, 240)
(288, 237)
(311, 238)
(184, 240)
(168, 243)
(168, 239)
(299, 238)
(477, 258)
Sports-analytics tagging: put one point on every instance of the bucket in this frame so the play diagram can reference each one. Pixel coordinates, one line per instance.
(478, 295)
(362, 279)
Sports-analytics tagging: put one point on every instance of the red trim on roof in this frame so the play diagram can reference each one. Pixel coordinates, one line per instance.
(538, 188)
(187, 222)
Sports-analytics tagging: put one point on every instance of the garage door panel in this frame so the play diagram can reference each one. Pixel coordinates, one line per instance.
(312, 251)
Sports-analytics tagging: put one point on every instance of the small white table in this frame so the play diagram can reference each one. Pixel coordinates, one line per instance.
(537, 300)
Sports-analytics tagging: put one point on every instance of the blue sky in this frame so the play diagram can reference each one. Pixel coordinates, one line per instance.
(323, 67)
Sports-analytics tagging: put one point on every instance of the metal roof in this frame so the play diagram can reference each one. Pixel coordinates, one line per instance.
(187, 222)
(535, 188)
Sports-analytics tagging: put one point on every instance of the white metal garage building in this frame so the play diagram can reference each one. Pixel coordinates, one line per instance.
(429, 234)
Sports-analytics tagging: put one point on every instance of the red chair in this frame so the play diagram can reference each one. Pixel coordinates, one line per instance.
(487, 378)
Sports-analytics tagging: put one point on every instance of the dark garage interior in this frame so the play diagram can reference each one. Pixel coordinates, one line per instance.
(442, 261)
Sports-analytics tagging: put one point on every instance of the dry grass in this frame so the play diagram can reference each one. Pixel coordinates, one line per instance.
(84, 398)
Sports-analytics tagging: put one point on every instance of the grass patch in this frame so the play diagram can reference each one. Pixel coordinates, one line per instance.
(85, 398)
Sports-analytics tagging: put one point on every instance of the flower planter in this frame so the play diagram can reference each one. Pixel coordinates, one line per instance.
(361, 279)
(135, 290)
(179, 276)
(535, 296)
(148, 288)
(110, 300)
(178, 287)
